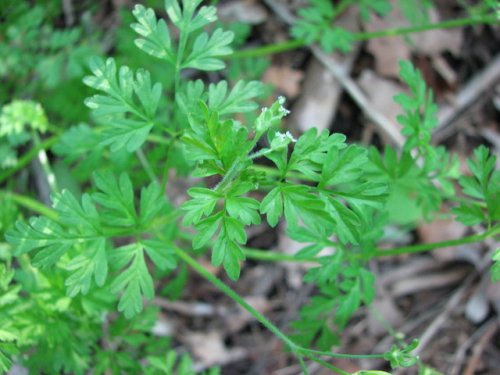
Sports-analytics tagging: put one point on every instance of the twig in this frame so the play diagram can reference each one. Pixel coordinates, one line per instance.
(436, 325)
(460, 354)
(467, 96)
(479, 348)
(69, 16)
(383, 123)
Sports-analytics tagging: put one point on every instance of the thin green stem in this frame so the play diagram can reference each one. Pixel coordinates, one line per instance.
(292, 44)
(267, 50)
(146, 165)
(436, 245)
(327, 365)
(302, 364)
(180, 54)
(28, 157)
(31, 204)
(449, 24)
(341, 7)
(237, 298)
(259, 254)
(155, 138)
(274, 172)
(44, 162)
(343, 355)
(273, 256)
(384, 323)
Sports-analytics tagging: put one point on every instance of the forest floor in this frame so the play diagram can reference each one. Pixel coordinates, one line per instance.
(443, 297)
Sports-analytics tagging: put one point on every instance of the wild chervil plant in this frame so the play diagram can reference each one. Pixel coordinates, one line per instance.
(102, 251)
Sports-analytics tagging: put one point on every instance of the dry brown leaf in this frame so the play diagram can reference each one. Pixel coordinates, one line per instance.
(238, 319)
(246, 11)
(318, 101)
(433, 42)
(385, 306)
(420, 283)
(388, 51)
(477, 306)
(285, 79)
(210, 349)
(381, 93)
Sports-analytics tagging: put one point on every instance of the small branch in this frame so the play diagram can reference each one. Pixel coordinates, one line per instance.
(449, 24)
(273, 256)
(471, 93)
(343, 355)
(69, 16)
(380, 120)
(237, 298)
(28, 157)
(146, 165)
(44, 162)
(293, 44)
(436, 245)
(327, 365)
(31, 204)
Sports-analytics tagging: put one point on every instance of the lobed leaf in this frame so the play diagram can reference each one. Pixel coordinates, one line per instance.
(156, 37)
(133, 282)
(207, 49)
(129, 106)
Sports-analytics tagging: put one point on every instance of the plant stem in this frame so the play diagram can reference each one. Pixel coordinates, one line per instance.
(297, 43)
(449, 24)
(268, 49)
(146, 165)
(180, 54)
(435, 245)
(28, 157)
(31, 204)
(156, 138)
(237, 298)
(273, 256)
(302, 364)
(327, 365)
(341, 7)
(44, 162)
(342, 355)
(274, 172)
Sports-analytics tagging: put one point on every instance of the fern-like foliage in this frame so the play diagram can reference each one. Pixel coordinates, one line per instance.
(205, 50)
(81, 240)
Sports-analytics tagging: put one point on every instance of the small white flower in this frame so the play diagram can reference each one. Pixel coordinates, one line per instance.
(282, 140)
(290, 137)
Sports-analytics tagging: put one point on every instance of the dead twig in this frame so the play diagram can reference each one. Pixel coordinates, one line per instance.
(69, 15)
(460, 354)
(479, 348)
(471, 93)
